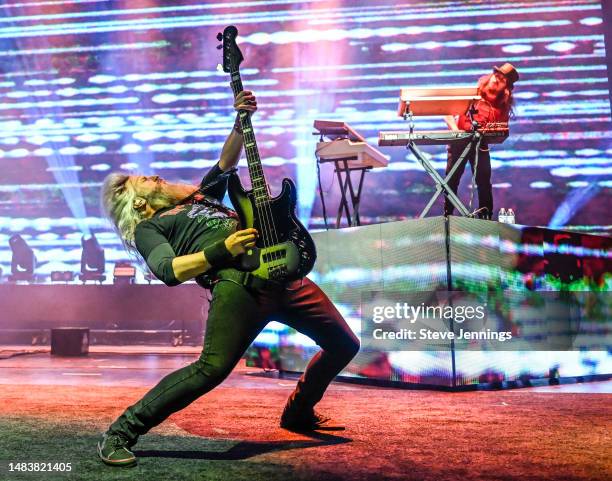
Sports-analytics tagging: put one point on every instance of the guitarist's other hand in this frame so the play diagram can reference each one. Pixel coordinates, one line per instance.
(245, 100)
(238, 242)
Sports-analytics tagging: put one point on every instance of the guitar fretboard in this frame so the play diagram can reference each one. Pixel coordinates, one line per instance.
(258, 180)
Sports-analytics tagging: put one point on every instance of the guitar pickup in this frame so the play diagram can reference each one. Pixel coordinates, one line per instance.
(274, 256)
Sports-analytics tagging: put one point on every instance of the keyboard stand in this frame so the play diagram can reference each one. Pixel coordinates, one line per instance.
(442, 183)
(349, 152)
(342, 169)
(441, 101)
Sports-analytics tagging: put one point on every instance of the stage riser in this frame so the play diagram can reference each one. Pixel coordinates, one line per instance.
(435, 254)
(104, 308)
(42, 337)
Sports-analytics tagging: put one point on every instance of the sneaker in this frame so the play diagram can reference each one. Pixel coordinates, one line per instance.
(307, 421)
(113, 450)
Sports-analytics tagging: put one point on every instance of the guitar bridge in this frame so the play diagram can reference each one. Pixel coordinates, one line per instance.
(278, 272)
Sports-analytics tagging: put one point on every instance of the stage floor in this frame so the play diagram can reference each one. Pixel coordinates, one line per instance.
(53, 409)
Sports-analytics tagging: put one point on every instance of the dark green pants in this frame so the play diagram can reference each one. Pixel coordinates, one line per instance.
(235, 317)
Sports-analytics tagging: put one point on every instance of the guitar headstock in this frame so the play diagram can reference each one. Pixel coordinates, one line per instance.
(232, 56)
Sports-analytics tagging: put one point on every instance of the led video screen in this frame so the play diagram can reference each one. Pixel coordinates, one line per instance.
(517, 274)
(90, 87)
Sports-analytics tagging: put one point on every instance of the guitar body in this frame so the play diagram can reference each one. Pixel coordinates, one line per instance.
(284, 251)
(287, 252)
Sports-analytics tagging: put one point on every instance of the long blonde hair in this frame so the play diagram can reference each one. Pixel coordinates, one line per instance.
(117, 199)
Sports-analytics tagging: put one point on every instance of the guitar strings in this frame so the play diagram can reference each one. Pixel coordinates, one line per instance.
(268, 215)
(267, 219)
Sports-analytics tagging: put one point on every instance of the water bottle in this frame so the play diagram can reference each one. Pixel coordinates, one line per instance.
(502, 216)
(511, 216)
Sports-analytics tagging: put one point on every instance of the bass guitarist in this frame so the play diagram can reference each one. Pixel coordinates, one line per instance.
(183, 231)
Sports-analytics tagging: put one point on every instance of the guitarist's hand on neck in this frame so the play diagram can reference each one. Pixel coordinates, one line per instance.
(230, 154)
(245, 100)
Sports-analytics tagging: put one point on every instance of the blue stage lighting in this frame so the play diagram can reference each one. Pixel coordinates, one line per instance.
(92, 260)
(23, 260)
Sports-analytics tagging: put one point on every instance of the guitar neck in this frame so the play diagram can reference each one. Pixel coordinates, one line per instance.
(256, 173)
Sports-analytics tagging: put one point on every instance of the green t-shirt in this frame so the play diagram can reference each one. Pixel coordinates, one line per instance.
(187, 227)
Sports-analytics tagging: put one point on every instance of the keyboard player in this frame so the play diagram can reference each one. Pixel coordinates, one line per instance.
(495, 105)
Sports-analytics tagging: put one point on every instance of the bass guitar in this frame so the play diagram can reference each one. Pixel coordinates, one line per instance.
(284, 249)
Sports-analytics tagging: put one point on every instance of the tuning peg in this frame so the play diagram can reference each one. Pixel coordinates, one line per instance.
(219, 47)
(219, 36)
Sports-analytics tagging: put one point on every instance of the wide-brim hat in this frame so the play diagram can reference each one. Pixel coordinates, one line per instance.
(508, 71)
